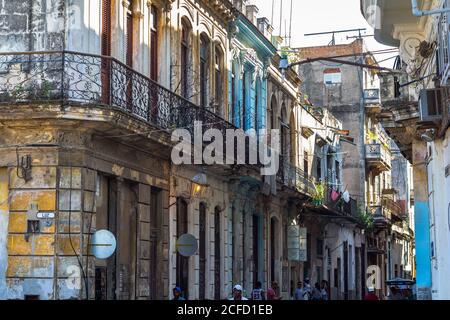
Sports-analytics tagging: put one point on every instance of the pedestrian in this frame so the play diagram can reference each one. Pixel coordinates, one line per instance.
(257, 292)
(316, 293)
(298, 294)
(237, 293)
(177, 294)
(324, 290)
(273, 292)
(307, 290)
(371, 296)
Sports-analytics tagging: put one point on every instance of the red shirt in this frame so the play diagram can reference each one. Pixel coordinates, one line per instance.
(271, 294)
(371, 297)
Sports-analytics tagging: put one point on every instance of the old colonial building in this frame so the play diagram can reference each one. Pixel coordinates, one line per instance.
(351, 93)
(416, 108)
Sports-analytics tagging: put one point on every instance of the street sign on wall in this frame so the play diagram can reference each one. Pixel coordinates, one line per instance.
(293, 237)
(297, 238)
(303, 233)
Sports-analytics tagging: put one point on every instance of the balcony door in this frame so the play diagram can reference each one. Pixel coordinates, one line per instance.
(129, 56)
(182, 263)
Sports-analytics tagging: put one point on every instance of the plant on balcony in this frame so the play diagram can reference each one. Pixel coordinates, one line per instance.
(46, 88)
(365, 218)
(18, 91)
(372, 136)
(319, 193)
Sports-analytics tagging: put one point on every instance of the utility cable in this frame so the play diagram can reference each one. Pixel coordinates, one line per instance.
(80, 263)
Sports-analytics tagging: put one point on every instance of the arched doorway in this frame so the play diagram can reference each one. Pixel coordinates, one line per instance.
(274, 224)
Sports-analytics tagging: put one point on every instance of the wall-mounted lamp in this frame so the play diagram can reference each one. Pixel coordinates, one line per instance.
(199, 185)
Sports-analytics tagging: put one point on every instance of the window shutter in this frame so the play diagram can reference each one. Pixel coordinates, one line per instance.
(106, 27)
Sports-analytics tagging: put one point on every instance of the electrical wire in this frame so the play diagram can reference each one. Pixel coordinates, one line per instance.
(80, 263)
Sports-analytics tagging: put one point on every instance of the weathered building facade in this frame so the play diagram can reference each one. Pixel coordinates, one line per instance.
(351, 94)
(91, 92)
(417, 118)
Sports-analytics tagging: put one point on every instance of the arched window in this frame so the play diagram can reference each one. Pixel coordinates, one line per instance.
(257, 103)
(244, 112)
(204, 69)
(293, 139)
(153, 43)
(271, 112)
(185, 57)
(273, 247)
(182, 271)
(284, 133)
(218, 79)
(256, 236)
(234, 112)
(202, 251)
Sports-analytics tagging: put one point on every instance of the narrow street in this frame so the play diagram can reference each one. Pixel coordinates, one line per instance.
(224, 150)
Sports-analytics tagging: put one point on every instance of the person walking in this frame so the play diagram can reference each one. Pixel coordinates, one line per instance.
(371, 296)
(258, 293)
(316, 293)
(237, 293)
(273, 292)
(324, 290)
(298, 294)
(177, 294)
(307, 290)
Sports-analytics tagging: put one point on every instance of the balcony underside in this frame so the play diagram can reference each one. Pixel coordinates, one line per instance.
(377, 165)
(373, 109)
(400, 122)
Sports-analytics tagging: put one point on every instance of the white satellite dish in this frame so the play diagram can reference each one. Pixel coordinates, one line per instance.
(187, 245)
(103, 244)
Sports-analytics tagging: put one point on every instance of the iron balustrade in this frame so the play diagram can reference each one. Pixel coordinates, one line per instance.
(73, 78)
(295, 178)
(392, 206)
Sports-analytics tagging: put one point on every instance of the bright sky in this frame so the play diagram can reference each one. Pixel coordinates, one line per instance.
(311, 16)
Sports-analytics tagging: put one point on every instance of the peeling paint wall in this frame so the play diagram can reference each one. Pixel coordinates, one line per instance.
(3, 230)
(40, 27)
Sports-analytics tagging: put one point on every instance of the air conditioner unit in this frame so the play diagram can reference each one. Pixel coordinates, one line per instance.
(430, 105)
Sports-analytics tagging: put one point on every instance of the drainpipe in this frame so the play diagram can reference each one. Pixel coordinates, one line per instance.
(419, 13)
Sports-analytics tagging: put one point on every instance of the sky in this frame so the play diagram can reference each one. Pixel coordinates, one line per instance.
(311, 16)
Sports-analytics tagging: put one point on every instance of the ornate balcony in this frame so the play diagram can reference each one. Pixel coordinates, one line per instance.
(372, 101)
(395, 209)
(92, 81)
(295, 178)
(378, 157)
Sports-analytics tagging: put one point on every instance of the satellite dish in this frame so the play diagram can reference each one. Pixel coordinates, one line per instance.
(187, 245)
(103, 244)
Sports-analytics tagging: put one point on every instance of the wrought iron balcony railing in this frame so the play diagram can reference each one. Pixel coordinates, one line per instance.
(379, 156)
(349, 209)
(372, 96)
(72, 78)
(392, 206)
(295, 178)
